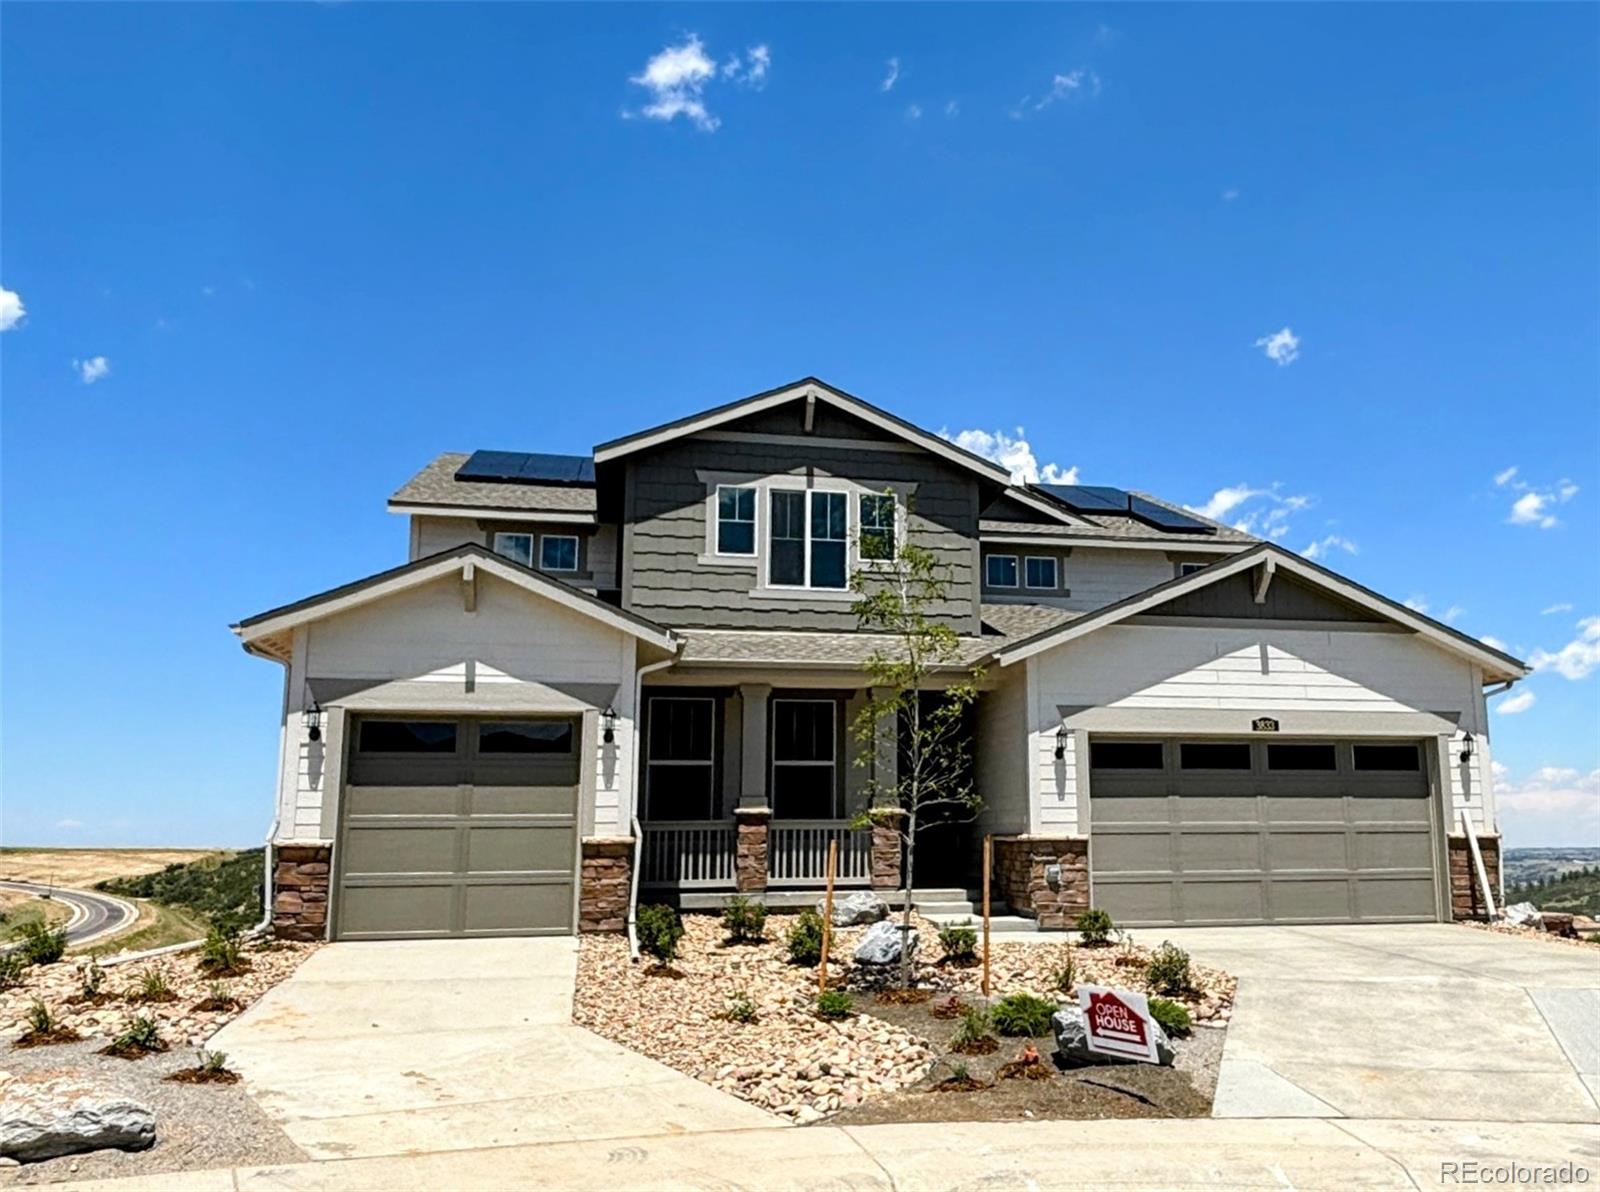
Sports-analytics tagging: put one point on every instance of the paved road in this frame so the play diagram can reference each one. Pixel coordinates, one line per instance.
(93, 915)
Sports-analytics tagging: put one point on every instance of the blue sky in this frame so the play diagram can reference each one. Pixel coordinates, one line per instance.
(1332, 268)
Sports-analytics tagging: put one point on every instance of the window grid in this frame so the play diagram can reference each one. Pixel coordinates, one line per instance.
(1000, 571)
(736, 520)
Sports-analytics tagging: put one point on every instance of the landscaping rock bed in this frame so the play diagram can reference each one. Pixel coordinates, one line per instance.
(1585, 937)
(859, 1068)
(181, 1019)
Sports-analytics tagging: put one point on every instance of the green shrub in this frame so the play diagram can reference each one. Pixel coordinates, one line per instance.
(12, 966)
(972, 1028)
(1022, 1014)
(1173, 1017)
(659, 929)
(740, 1009)
(221, 951)
(959, 941)
(211, 1062)
(834, 1003)
(805, 938)
(153, 985)
(225, 890)
(39, 945)
(1168, 970)
(1094, 926)
(744, 920)
(141, 1034)
(40, 1020)
(1067, 974)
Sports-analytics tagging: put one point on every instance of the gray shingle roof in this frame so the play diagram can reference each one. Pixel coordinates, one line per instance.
(1115, 527)
(436, 484)
(750, 647)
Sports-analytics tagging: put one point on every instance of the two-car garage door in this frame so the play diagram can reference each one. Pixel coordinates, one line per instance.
(458, 827)
(1250, 831)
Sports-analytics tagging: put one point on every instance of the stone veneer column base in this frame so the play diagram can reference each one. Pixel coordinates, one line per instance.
(1466, 897)
(300, 878)
(604, 878)
(887, 848)
(1020, 877)
(750, 856)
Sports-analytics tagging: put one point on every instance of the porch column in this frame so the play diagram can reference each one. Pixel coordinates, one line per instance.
(885, 752)
(753, 815)
(887, 815)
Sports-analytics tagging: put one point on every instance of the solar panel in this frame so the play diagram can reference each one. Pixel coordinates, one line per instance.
(526, 467)
(1100, 498)
(1168, 519)
(1088, 496)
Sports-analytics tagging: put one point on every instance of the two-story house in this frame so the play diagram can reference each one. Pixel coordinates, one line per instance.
(639, 668)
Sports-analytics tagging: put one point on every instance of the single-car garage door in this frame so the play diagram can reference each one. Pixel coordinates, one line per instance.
(1217, 831)
(458, 827)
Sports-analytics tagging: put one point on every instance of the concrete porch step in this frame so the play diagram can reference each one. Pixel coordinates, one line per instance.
(998, 924)
(953, 907)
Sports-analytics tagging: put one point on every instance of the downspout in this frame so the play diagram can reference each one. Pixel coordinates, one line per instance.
(638, 772)
(265, 923)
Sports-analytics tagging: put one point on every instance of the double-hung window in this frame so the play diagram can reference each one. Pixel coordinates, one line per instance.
(558, 552)
(805, 738)
(736, 520)
(807, 543)
(680, 758)
(516, 547)
(1041, 571)
(877, 526)
(1000, 571)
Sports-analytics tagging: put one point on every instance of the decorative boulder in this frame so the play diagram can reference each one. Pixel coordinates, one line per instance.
(1072, 1040)
(861, 907)
(881, 944)
(43, 1115)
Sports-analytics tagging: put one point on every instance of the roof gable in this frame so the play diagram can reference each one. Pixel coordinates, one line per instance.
(1260, 566)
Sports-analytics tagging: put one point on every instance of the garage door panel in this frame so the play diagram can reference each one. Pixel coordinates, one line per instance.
(401, 800)
(555, 801)
(498, 909)
(1219, 851)
(390, 910)
(393, 850)
(1311, 831)
(520, 850)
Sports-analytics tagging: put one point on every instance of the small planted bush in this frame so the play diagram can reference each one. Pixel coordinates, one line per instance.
(659, 929)
(1168, 970)
(39, 945)
(834, 1004)
(959, 941)
(220, 954)
(804, 940)
(1173, 1016)
(43, 1027)
(972, 1030)
(139, 1038)
(12, 966)
(1094, 927)
(40, 1020)
(154, 987)
(740, 1009)
(1067, 974)
(744, 920)
(1022, 1014)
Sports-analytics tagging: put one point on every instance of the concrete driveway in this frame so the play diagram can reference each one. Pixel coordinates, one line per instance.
(1435, 1022)
(419, 1046)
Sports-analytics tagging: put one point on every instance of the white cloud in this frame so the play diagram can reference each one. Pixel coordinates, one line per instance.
(914, 111)
(952, 108)
(1075, 84)
(1230, 194)
(893, 77)
(1266, 512)
(1013, 452)
(1520, 702)
(1323, 547)
(1494, 643)
(1578, 658)
(1417, 603)
(67, 825)
(1535, 505)
(751, 71)
(1563, 607)
(676, 79)
(1506, 477)
(1281, 347)
(1452, 614)
(1556, 805)
(96, 368)
(11, 310)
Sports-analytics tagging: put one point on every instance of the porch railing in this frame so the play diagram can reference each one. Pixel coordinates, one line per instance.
(688, 854)
(797, 853)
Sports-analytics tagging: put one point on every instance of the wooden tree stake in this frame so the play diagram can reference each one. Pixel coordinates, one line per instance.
(988, 865)
(827, 916)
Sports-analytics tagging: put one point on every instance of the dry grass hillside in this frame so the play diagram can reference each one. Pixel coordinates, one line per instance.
(83, 867)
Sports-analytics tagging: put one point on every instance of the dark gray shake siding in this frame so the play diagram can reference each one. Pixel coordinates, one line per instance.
(665, 528)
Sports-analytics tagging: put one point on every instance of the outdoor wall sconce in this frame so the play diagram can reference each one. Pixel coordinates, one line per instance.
(1466, 748)
(312, 717)
(609, 733)
(1061, 742)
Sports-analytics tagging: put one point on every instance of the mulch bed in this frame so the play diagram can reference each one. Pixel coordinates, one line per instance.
(217, 1005)
(61, 1034)
(199, 1075)
(132, 1051)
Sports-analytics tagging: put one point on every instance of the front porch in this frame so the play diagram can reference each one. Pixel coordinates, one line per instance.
(752, 853)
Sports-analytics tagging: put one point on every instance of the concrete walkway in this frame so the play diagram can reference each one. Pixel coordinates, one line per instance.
(424, 1045)
(1426, 1021)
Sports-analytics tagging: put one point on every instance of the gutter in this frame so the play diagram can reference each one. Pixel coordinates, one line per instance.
(638, 770)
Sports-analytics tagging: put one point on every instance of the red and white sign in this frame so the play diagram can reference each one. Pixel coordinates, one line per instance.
(1119, 1023)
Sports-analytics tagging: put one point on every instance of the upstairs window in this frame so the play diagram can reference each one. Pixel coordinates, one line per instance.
(736, 520)
(1000, 571)
(877, 526)
(1190, 568)
(807, 543)
(1041, 572)
(516, 547)
(558, 552)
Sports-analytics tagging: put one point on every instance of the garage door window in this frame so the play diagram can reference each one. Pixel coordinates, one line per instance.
(529, 736)
(1127, 755)
(408, 736)
(1302, 757)
(680, 765)
(1387, 757)
(1212, 755)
